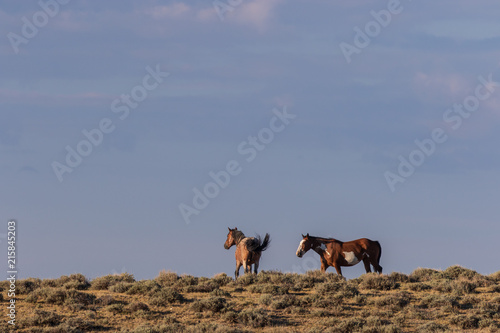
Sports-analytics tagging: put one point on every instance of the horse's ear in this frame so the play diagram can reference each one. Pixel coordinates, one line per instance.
(303, 236)
(229, 228)
(307, 235)
(235, 228)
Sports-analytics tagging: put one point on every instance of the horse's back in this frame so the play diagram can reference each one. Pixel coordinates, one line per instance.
(244, 246)
(363, 243)
(244, 251)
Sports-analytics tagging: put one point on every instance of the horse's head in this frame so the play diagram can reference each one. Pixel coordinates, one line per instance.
(230, 241)
(304, 246)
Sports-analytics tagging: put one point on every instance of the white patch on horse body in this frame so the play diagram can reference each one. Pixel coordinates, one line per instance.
(351, 258)
(323, 247)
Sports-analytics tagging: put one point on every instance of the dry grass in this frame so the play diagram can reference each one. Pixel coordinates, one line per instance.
(456, 299)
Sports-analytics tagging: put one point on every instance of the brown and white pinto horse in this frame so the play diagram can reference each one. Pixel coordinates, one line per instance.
(248, 250)
(336, 253)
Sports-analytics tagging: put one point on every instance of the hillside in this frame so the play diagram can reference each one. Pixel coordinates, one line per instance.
(456, 299)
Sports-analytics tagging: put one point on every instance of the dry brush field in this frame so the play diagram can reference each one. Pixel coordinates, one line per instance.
(453, 300)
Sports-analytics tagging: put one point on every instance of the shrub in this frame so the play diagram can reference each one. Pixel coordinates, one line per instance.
(115, 308)
(430, 328)
(214, 304)
(495, 276)
(494, 289)
(455, 272)
(205, 287)
(419, 286)
(245, 280)
(436, 301)
(230, 316)
(465, 321)
(78, 297)
(399, 300)
(463, 286)
(77, 281)
(328, 287)
(145, 328)
(221, 279)
(220, 292)
(328, 301)
(77, 325)
(137, 306)
(143, 287)
(60, 296)
(375, 321)
(468, 302)
(121, 287)
(399, 277)
(104, 282)
(285, 301)
(253, 317)
(269, 288)
(164, 297)
(377, 282)
(27, 285)
(74, 281)
(425, 274)
(55, 296)
(349, 325)
(40, 318)
(489, 309)
(265, 299)
(106, 300)
(303, 281)
(360, 299)
(166, 279)
(187, 280)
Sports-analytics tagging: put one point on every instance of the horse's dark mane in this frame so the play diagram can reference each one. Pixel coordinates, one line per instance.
(323, 239)
(238, 236)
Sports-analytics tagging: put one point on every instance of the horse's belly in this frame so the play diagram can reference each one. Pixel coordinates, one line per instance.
(351, 258)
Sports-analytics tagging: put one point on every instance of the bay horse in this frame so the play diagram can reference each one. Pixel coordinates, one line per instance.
(248, 250)
(336, 253)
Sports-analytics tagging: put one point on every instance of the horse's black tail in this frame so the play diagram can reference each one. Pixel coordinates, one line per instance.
(379, 255)
(264, 244)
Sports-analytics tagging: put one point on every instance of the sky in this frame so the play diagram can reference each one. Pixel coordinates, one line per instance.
(134, 133)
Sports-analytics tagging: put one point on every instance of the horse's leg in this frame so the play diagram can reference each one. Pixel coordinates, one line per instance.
(339, 271)
(375, 265)
(378, 269)
(237, 271)
(256, 266)
(245, 268)
(366, 261)
(324, 265)
(376, 259)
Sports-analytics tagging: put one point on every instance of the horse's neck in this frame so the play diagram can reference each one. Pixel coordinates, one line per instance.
(321, 245)
(238, 237)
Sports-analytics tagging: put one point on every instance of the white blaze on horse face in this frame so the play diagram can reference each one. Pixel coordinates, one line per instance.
(300, 252)
(351, 258)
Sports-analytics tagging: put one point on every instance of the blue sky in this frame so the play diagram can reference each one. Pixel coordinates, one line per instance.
(231, 70)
